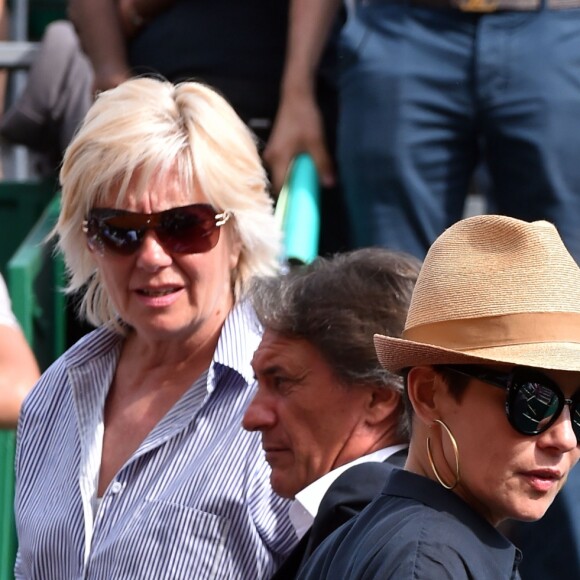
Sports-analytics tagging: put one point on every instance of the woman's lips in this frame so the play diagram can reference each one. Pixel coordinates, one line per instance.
(154, 292)
(159, 296)
(543, 480)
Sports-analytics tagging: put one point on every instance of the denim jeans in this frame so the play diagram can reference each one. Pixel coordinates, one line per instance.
(426, 95)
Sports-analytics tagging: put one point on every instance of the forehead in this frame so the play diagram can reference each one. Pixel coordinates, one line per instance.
(279, 351)
(156, 190)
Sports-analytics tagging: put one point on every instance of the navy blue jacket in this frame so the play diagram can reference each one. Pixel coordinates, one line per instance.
(415, 529)
(348, 495)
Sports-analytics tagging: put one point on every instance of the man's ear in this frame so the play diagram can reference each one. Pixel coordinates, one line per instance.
(423, 384)
(382, 404)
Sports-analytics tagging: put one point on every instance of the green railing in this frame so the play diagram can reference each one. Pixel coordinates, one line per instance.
(40, 14)
(7, 533)
(21, 204)
(34, 279)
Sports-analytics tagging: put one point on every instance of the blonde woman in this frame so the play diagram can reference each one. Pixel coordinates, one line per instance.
(131, 459)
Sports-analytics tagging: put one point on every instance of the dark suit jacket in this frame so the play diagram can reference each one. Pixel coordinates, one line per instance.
(345, 498)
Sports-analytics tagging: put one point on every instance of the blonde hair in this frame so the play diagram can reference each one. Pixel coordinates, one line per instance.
(142, 129)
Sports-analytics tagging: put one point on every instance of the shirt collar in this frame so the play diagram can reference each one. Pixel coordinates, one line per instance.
(237, 354)
(305, 506)
(230, 352)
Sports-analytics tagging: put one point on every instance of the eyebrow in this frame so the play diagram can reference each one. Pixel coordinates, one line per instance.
(269, 370)
(277, 368)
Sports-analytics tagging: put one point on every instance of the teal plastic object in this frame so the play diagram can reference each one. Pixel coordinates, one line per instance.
(298, 210)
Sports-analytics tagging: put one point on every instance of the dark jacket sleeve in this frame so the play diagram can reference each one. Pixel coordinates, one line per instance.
(346, 497)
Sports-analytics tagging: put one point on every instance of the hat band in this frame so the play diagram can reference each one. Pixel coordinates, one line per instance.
(493, 331)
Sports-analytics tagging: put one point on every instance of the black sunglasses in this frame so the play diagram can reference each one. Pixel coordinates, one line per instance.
(534, 402)
(191, 229)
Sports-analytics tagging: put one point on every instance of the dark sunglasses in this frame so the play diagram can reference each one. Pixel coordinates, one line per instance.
(191, 229)
(534, 402)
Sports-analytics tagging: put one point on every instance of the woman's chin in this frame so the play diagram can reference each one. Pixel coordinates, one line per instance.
(534, 512)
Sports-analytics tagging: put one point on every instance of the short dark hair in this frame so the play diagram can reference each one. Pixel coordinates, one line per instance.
(456, 383)
(338, 304)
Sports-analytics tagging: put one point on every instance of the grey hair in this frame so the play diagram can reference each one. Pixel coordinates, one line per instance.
(141, 130)
(338, 304)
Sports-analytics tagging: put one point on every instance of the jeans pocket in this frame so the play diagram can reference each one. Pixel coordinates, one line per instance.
(351, 43)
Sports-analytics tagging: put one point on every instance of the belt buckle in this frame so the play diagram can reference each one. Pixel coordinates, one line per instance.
(478, 5)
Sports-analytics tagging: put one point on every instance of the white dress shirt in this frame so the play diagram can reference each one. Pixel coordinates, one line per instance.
(307, 501)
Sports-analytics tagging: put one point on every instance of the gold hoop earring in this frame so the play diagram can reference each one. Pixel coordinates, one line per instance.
(455, 451)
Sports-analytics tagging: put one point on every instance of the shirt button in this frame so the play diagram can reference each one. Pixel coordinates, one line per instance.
(116, 487)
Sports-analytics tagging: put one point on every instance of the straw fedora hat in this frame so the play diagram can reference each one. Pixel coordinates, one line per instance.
(492, 288)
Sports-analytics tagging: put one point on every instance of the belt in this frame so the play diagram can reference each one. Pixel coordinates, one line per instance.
(483, 6)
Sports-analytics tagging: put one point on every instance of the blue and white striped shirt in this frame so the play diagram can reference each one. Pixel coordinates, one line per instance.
(194, 501)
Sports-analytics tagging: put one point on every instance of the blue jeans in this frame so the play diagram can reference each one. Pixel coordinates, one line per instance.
(428, 94)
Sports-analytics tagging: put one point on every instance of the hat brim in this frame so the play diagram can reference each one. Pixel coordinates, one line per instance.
(396, 354)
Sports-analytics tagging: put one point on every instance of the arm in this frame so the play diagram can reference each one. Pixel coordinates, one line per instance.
(18, 373)
(135, 14)
(99, 28)
(105, 26)
(298, 126)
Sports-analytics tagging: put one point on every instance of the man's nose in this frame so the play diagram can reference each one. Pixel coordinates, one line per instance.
(259, 415)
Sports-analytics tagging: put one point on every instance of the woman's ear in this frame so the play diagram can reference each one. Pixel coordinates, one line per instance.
(423, 384)
(97, 248)
(235, 248)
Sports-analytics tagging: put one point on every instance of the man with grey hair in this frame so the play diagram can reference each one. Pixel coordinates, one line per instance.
(324, 404)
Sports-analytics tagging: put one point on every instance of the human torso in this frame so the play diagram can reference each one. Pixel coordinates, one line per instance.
(224, 38)
(142, 393)
(401, 536)
(191, 500)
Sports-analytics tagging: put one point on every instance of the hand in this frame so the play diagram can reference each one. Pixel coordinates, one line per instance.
(298, 128)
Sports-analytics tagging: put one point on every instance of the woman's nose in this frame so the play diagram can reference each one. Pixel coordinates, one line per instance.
(152, 255)
(561, 434)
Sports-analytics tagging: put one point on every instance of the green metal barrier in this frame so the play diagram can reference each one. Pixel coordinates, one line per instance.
(298, 211)
(21, 204)
(34, 279)
(7, 533)
(41, 13)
